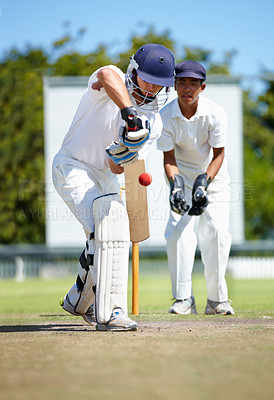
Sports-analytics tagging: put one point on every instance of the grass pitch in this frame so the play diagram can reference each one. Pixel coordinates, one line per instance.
(48, 354)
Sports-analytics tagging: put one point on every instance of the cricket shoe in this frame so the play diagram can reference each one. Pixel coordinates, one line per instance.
(183, 307)
(215, 307)
(119, 321)
(88, 316)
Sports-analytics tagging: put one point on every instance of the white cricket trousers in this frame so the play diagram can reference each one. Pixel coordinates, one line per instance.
(79, 184)
(210, 232)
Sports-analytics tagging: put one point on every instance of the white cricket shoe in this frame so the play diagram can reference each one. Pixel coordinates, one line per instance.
(216, 307)
(183, 307)
(119, 321)
(88, 316)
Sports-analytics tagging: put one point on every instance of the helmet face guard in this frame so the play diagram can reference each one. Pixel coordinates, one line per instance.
(146, 100)
(154, 64)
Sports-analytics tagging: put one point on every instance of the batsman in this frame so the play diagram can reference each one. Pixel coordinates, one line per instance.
(114, 125)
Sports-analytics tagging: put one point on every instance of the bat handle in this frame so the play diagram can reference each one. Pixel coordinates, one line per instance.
(135, 278)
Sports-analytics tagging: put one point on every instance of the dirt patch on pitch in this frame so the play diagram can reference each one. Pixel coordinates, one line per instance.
(147, 327)
(212, 323)
(55, 359)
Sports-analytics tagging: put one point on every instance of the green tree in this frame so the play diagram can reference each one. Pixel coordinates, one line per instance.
(266, 103)
(21, 147)
(259, 166)
(205, 57)
(74, 64)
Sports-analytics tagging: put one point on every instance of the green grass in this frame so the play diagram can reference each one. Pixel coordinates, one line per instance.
(251, 298)
(47, 353)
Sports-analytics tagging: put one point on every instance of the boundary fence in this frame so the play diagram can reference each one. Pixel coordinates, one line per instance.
(250, 260)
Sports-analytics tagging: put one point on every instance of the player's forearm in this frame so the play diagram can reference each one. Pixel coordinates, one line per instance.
(114, 87)
(217, 160)
(170, 164)
(171, 170)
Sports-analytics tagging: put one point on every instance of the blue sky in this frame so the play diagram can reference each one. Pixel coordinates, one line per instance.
(219, 25)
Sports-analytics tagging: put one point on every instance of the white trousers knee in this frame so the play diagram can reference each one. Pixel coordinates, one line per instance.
(79, 184)
(210, 232)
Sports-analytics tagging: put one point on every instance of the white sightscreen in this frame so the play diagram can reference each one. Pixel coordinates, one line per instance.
(61, 98)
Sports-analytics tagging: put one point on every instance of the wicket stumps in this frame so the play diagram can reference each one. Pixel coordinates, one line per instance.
(135, 278)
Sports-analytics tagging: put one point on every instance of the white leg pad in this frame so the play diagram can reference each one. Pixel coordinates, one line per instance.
(112, 240)
(81, 296)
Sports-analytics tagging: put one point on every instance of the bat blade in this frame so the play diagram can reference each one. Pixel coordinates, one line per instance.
(136, 202)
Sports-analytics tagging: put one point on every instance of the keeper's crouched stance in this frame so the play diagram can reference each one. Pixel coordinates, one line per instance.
(100, 292)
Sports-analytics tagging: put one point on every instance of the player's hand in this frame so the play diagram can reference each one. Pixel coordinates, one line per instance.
(120, 154)
(199, 195)
(177, 198)
(136, 131)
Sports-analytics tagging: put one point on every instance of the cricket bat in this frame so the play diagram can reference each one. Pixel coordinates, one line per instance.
(137, 209)
(136, 202)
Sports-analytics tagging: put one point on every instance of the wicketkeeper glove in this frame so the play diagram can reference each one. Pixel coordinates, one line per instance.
(199, 195)
(136, 131)
(120, 154)
(177, 198)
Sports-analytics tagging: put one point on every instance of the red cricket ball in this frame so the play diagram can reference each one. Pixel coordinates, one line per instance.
(145, 179)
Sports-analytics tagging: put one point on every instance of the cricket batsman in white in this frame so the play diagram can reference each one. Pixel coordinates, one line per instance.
(115, 123)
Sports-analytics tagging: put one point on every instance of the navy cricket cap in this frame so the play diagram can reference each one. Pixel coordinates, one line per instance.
(155, 64)
(190, 69)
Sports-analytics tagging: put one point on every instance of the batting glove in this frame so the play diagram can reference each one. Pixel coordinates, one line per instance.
(120, 154)
(199, 195)
(177, 198)
(136, 131)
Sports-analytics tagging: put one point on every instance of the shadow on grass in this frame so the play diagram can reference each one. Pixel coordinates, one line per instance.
(59, 328)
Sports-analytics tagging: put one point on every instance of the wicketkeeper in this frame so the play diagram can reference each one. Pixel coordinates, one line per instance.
(193, 141)
(115, 123)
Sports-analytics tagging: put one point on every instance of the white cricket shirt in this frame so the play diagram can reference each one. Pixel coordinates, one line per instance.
(96, 125)
(192, 139)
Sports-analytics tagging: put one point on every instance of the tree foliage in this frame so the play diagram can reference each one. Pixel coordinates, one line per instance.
(21, 147)
(259, 165)
(22, 207)
(205, 56)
